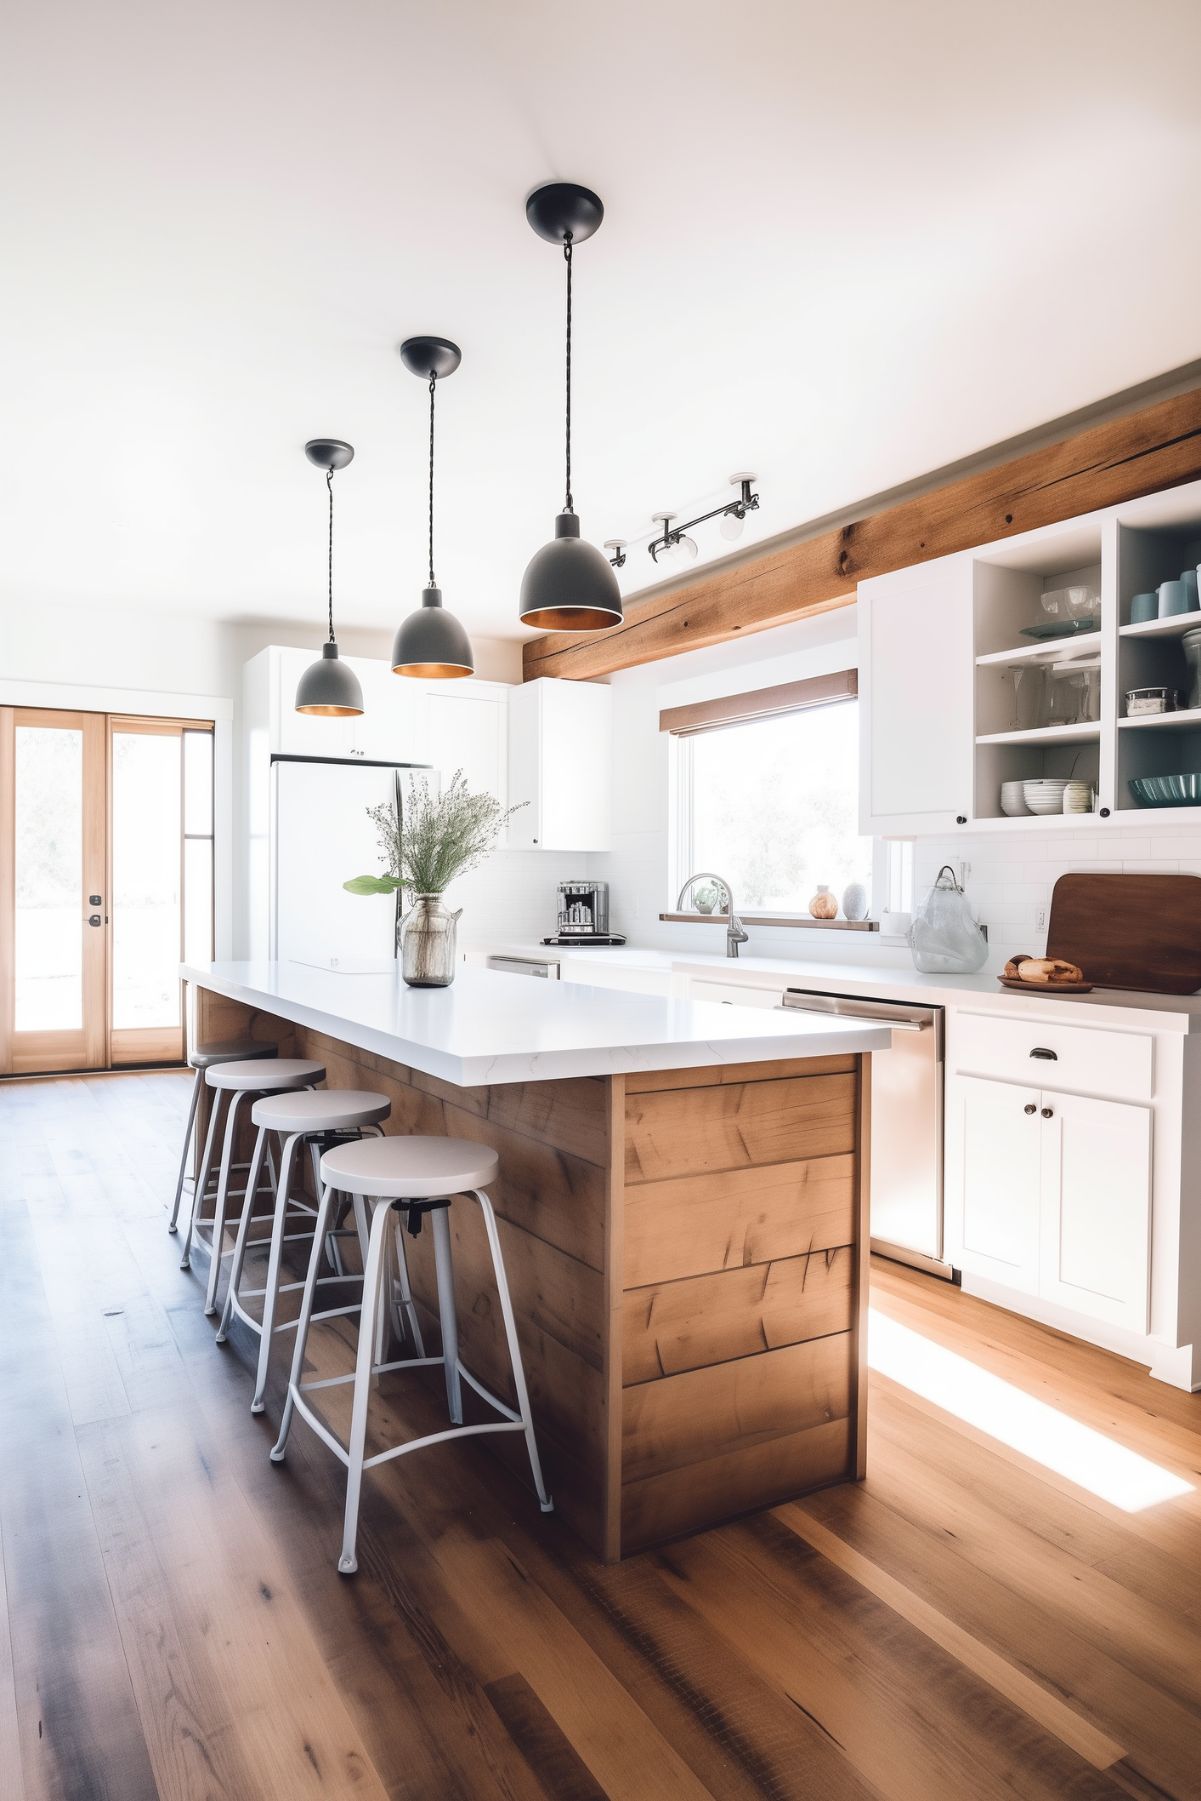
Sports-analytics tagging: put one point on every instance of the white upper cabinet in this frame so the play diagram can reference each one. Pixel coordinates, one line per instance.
(560, 765)
(469, 730)
(915, 699)
(392, 728)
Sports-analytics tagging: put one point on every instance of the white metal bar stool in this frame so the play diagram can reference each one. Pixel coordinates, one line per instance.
(200, 1060)
(318, 1117)
(235, 1080)
(420, 1175)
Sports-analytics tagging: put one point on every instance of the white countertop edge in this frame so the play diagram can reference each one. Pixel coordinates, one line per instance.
(738, 1037)
(1132, 1009)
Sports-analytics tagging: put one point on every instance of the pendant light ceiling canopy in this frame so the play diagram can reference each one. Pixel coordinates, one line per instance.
(431, 643)
(328, 687)
(568, 585)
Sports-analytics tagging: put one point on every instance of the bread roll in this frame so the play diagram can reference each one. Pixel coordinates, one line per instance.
(1048, 971)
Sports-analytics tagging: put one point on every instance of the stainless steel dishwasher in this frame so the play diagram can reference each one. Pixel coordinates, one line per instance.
(546, 968)
(907, 1125)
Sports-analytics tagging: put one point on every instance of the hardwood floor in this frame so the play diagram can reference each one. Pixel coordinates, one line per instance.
(989, 1614)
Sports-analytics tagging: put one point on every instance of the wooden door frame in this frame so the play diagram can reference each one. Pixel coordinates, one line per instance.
(85, 1047)
(92, 1046)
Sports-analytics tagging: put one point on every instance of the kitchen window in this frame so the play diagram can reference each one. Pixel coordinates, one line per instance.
(767, 794)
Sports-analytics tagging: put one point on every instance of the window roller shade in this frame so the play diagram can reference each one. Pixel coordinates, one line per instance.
(760, 703)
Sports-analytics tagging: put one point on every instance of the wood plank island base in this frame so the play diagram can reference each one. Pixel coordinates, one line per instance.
(682, 1207)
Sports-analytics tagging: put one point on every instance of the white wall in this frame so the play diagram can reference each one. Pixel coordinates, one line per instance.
(1009, 876)
(131, 662)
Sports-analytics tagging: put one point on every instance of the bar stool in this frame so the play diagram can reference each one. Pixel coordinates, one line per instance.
(319, 1117)
(236, 1080)
(420, 1176)
(200, 1060)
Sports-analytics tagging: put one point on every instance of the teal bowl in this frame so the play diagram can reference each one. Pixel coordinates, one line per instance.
(1167, 790)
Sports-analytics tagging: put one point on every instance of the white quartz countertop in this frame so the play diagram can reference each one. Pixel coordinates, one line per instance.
(876, 979)
(488, 1027)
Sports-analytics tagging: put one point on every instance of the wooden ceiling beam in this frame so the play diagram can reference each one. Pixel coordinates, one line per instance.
(1158, 446)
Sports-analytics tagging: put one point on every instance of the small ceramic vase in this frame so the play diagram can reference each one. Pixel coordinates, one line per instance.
(854, 901)
(823, 905)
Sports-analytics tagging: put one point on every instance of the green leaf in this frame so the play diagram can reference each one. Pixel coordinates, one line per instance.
(372, 884)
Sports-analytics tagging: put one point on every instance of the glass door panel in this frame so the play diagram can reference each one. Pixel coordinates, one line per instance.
(146, 779)
(52, 916)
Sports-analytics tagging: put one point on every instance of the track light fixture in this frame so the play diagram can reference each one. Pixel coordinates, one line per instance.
(328, 687)
(672, 548)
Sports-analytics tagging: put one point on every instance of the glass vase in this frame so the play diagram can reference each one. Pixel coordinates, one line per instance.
(426, 940)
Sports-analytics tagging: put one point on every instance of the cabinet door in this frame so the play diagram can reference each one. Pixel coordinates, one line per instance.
(1096, 1208)
(915, 698)
(999, 1176)
(525, 766)
(732, 994)
(394, 725)
(468, 730)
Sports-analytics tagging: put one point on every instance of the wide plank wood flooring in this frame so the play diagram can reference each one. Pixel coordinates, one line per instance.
(968, 1622)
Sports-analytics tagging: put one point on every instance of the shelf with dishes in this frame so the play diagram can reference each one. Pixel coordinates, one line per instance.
(1180, 720)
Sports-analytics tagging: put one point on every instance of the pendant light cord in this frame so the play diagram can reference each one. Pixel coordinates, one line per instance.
(433, 383)
(570, 507)
(329, 482)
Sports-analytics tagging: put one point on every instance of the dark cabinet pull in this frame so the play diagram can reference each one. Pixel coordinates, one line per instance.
(1029, 1107)
(1040, 1050)
(1048, 1113)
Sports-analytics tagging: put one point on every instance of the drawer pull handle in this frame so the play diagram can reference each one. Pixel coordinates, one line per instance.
(1048, 1113)
(1030, 1107)
(1040, 1050)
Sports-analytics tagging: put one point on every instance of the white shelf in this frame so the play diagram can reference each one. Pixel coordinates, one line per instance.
(1186, 719)
(1035, 822)
(1088, 733)
(1174, 626)
(1054, 650)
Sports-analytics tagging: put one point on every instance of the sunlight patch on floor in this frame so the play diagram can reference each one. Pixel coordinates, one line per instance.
(1086, 1457)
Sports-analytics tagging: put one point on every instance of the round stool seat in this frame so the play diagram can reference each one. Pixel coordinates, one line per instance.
(208, 1054)
(409, 1168)
(320, 1110)
(265, 1075)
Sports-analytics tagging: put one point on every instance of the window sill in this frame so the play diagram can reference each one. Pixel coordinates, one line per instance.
(804, 922)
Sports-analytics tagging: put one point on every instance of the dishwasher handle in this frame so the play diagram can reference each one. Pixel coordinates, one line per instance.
(889, 1013)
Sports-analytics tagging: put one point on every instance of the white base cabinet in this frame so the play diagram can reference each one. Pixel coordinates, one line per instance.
(1055, 1191)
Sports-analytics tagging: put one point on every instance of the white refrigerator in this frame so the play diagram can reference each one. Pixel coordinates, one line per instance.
(320, 836)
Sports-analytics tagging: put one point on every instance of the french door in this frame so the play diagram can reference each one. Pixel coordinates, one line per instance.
(106, 879)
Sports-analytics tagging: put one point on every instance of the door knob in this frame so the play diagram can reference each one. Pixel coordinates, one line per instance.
(93, 900)
(1048, 1113)
(1029, 1107)
(93, 919)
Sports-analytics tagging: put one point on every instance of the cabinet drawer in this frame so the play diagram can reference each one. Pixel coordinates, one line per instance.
(1085, 1058)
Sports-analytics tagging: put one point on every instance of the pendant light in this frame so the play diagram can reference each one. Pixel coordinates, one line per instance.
(329, 687)
(431, 643)
(568, 585)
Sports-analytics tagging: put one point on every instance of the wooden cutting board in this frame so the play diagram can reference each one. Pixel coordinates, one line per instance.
(1130, 931)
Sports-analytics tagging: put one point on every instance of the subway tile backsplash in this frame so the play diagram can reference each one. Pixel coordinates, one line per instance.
(1009, 880)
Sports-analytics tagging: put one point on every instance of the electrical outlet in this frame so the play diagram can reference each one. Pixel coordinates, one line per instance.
(1042, 919)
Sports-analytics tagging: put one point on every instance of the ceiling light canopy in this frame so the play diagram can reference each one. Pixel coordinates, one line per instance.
(568, 585)
(431, 643)
(328, 687)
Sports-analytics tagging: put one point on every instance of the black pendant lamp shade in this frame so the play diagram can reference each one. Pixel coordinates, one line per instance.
(431, 644)
(328, 687)
(569, 585)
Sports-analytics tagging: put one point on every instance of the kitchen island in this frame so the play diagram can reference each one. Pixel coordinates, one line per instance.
(682, 1204)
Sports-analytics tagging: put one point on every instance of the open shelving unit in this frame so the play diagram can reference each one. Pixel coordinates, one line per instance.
(1122, 552)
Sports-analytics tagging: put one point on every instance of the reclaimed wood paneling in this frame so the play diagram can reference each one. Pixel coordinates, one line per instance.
(673, 1326)
(691, 1225)
(675, 1502)
(729, 1407)
(1120, 459)
(692, 1131)
(647, 1081)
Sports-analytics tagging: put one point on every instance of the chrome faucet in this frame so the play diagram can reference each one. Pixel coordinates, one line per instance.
(735, 932)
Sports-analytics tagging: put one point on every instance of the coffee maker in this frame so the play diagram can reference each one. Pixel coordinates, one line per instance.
(583, 915)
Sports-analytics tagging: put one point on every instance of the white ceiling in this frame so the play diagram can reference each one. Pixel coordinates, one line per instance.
(843, 245)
